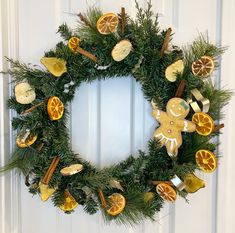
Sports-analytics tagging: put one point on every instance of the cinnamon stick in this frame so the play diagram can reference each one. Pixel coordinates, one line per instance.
(102, 198)
(180, 89)
(156, 182)
(218, 127)
(123, 16)
(86, 53)
(166, 42)
(46, 179)
(32, 108)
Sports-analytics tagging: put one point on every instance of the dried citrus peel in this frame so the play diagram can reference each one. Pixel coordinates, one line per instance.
(121, 50)
(73, 45)
(107, 23)
(24, 93)
(204, 123)
(206, 161)
(28, 142)
(203, 67)
(117, 204)
(166, 192)
(71, 170)
(55, 108)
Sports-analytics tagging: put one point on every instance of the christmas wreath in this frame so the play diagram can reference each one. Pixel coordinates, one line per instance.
(175, 81)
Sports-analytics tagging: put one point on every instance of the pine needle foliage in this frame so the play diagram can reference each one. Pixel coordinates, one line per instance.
(145, 64)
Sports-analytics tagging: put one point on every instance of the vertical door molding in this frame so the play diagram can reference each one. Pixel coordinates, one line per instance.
(226, 188)
(9, 182)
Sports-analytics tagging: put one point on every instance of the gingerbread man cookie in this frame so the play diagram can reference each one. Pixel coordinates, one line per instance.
(172, 123)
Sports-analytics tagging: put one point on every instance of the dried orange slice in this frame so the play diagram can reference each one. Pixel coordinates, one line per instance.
(69, 202)
(73, 43)
(55, 108)
(121, 50)
(166, 192)
(206, 160)
(117, 204)
(203, 67)
(204, 123)
(28, 142)
(107, 23)
(71, 170)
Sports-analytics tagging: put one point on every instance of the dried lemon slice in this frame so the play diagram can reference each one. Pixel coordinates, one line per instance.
(28, 142)
(166, 192)
(107, 23)
(203, 67)
(71, 170)
(55, 108)
(206, 160)
(172, 70)
(121, 50)
(117, 204)
(204, 123)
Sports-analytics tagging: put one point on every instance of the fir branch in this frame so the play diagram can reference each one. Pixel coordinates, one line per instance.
(219, 98)
(91, 206)
(182, 170)
(86, 29)
(136, 209)
(98, 179)
(22, 160)
(65, 32)
(200, 47)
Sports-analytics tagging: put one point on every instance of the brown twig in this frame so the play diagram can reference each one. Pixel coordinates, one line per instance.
(39, 148)
(46, 179)
(32, 108)
(84, 19)
(166, 42)
(123, 16)
(102, 198)
(86, 53)
(156, 182)
(180, 89)
(218, 127)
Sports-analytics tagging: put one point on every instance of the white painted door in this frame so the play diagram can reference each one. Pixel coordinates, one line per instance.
(114, 111)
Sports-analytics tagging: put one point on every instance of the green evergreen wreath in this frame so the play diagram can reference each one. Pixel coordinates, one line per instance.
(43, 141)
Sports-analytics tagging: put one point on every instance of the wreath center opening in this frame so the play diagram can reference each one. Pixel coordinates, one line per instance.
(107, 125)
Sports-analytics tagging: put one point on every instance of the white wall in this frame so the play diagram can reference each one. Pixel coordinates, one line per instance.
(28, 29)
